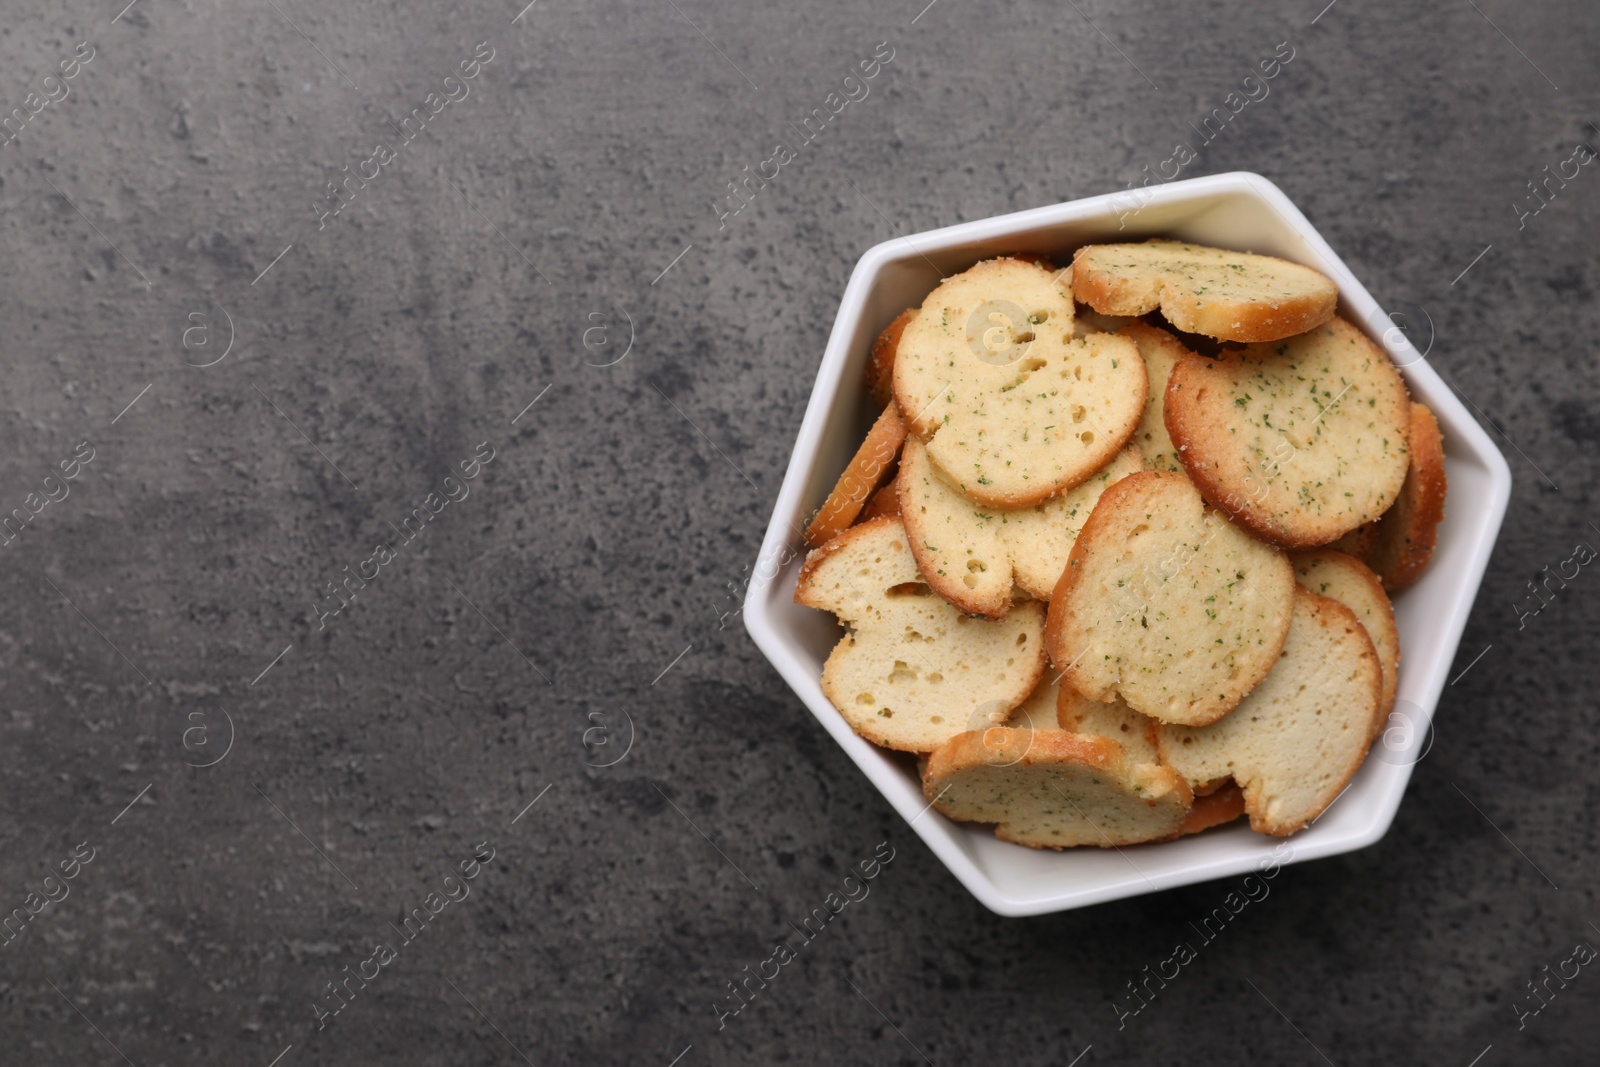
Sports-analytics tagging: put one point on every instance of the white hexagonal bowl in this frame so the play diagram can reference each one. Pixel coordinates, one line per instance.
(1240, 211)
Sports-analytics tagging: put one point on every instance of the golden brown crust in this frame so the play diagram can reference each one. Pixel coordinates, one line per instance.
(816, 557)
(993, 600)
(1385, 635)
(1307, 301)
(1223, 805)
(1326, 628)
(910, 669)
(1043, 752)
(981, 559)
(1398, 543)
(1067, 699)
(1271, 474)
(1087, 537)
(884, 736)
(1106, 295)
(1358, 542)
(1087, 320)
(880, 365)
(1103, 527)
(1017, 411)
(1256, 324)
(1162, 352)
(859, 479)
(1055, 621)
(1343, 617)
(884, 503)
(1409, 531)
(978, 748)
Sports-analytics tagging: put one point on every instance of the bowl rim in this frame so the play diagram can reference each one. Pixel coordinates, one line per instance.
(1469, 443)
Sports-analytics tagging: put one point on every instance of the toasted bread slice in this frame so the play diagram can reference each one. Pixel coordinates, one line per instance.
(1087, 320)
(1351, 583)
(1408, 532)
(1113, 719)
(1162, 352)
(1300, 441)
(1012, 408)
(912, 670)
(978, 557)
(859, 479)
(1233, 296)
(1300, 735)
(1167, 604)
(1223, 805)
(995, 725)
(885, 502)
(1053, 789)
(880, 364)
(1360, 541)
(1214, 802)
(1038, 712)
(1043, 262)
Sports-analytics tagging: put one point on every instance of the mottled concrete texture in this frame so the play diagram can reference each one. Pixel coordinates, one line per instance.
(176, 587)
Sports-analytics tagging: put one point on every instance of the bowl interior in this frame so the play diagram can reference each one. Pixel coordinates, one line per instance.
(1239, 211)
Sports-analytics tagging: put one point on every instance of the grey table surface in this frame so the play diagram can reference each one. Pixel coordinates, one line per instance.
(172, 197)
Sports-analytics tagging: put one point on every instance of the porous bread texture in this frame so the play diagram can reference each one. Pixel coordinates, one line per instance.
(1111, 719)
(880, 363)
(1233, 296)
(1408, 532)
(1167, 604)
(1300, 441)
(912, 670)
(1161, 351)
(978, 556)
(1012, 408)
(865, 470)
(1300, 735)
(1054, 789)
(1350, 582)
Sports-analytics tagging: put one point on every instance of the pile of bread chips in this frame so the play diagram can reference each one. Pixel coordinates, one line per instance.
(1114, 562)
